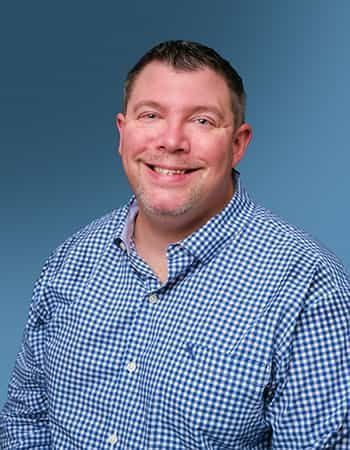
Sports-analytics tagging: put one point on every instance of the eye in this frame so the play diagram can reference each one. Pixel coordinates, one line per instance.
(204, 121)
(148, 116)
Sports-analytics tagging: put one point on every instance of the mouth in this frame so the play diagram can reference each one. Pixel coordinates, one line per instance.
(168, 171)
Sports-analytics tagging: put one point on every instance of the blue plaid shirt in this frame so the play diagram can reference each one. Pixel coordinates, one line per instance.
(245, 346)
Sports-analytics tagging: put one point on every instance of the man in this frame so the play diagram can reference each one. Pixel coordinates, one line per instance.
(192, 318)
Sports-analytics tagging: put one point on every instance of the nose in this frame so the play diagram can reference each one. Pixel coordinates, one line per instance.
(173, 138)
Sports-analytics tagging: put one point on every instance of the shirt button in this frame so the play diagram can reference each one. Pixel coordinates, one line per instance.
(113, 439)
(131, 366)
(122, 246)
(153, 299)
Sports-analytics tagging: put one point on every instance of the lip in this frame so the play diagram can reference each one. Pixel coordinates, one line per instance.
(164, 179)
(172, 168)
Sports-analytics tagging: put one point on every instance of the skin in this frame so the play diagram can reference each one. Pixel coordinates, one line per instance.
(175, 121)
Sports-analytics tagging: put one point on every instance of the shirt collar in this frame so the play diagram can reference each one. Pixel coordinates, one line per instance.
(226, 225)
(127, 232)
(206, 241)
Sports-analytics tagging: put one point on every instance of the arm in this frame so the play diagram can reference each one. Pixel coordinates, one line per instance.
(311, 411)
(24, 419)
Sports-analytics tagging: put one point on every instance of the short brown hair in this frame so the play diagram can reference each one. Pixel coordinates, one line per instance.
(187, 55)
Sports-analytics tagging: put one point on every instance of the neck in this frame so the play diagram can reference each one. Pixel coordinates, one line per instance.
(151, 242)
(157, 234)
(152, 239)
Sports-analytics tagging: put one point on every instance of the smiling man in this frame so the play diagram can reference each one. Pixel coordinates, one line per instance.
(192, 318)
(178, 143)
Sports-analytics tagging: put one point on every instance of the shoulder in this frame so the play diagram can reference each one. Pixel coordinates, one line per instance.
(291, 246)
(83, 249)
(269, 227)
(71, 264)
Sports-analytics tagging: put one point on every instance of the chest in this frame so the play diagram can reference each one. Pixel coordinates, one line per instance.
(188, 360)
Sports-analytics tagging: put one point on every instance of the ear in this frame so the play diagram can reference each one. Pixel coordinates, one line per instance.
(120, 121)
(241, 138)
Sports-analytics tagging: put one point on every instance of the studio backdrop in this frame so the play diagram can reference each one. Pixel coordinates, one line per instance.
(62, 68)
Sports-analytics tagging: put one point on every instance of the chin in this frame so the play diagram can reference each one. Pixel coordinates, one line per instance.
(168, 204)
(164, 209)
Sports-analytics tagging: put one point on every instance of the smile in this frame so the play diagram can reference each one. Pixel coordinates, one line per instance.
(166, 171)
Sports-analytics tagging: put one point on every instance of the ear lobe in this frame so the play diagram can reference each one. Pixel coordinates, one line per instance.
(241, 139)
(119, 121)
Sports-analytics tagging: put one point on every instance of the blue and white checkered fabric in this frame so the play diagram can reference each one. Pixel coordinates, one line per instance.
(246, 346)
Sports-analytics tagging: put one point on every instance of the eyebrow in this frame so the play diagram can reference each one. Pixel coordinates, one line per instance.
(193, 110)
(150, 103)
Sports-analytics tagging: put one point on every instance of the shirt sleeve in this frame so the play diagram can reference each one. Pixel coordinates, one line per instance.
(24, 418)
(311, 411)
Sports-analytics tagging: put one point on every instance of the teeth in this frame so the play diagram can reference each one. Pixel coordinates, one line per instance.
(168, 171)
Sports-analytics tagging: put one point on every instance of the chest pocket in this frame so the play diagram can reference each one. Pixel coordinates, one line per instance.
(211, 392)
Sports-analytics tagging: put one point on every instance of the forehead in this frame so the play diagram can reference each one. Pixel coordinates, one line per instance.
(159, 81)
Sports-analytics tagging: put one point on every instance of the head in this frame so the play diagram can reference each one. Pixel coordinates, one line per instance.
(181, 133)
(191, 56)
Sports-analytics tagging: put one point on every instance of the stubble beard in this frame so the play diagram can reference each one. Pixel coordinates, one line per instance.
(144, 200)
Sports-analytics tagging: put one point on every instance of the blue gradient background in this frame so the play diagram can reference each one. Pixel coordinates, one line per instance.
(62, 66)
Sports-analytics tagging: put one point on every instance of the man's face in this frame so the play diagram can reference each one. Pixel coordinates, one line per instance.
(178, 144)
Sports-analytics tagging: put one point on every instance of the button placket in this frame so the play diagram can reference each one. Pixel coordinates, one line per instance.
(132, 359)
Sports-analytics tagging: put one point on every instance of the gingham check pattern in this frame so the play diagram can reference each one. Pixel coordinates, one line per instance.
(246, 346)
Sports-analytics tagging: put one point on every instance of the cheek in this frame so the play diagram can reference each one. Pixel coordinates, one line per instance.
(217, 152)
(135, 142)
(131, 146)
